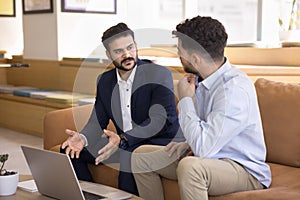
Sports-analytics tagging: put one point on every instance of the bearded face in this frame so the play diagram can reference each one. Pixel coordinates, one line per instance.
(188, 67)
(123, 53)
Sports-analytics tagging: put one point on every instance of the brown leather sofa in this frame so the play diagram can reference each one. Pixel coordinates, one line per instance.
(280, 111)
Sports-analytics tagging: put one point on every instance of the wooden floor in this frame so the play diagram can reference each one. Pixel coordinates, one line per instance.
(10, 142)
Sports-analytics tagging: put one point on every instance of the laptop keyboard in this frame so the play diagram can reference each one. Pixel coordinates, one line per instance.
(91, 196)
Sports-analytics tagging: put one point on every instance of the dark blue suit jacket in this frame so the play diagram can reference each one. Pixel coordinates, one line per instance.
(153, 108)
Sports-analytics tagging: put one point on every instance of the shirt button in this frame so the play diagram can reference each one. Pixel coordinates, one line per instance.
(127, 90)
(127, 106)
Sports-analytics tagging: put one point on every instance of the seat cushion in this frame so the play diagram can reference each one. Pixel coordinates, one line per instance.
(280, 111)
(285, 185)
(106, 174)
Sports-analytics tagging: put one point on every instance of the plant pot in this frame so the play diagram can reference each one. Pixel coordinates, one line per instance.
(8, 184)
(289, 36)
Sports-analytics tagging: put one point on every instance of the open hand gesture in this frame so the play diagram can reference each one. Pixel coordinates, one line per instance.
(74, 144)
(110, 148)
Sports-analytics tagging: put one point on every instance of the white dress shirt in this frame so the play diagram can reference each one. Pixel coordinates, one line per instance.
(125, 88)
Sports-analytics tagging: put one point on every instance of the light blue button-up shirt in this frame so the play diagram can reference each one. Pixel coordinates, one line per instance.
(223, 121)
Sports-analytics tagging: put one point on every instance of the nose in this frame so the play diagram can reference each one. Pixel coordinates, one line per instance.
(126, 53)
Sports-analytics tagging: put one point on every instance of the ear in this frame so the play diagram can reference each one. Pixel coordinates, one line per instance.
(196, 59)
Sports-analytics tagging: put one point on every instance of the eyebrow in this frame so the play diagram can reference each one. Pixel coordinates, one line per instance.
(123, 48)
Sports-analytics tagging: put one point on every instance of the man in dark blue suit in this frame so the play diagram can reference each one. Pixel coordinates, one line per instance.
(137, 95)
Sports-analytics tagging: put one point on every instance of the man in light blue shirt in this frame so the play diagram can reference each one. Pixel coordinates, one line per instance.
(220, 119)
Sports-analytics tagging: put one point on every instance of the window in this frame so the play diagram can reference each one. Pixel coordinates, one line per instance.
(239, 17)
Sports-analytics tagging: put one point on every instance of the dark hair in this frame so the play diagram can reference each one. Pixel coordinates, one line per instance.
(208, 33)
(119, 30)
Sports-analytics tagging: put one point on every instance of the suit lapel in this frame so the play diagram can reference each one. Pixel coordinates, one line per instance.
(115, 102)
(139, 80)
(137, 83)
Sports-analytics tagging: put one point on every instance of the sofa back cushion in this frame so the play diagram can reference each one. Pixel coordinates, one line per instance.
(280, 111)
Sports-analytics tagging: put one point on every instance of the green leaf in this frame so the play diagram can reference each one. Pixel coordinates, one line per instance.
(280, 22)
(3, 158)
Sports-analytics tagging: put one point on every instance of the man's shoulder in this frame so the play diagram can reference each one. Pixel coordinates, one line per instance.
(149, 66)
(144, 61)
(107, 75)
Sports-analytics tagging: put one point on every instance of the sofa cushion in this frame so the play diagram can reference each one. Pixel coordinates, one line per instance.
(285, 185)
(105, 174)
(280, 111)
(56, 122)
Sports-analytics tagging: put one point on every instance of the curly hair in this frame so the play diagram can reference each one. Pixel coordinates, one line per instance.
(114, 32)
(208, 33)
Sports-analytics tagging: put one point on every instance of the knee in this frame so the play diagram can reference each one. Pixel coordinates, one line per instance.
(137, 159)
(142, 153)
(194, 168)
(142, 157)
(144, 149)
(137, 154)
(185, 171)
(185, 166)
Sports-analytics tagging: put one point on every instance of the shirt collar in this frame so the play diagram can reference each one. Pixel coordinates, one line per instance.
(216, 76)
(130, 78)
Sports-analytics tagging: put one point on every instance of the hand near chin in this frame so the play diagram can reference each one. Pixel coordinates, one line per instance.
(186, 86)
(74, 144)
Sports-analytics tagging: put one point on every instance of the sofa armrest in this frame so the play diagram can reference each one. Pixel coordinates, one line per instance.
(280, 112)
(55, 123)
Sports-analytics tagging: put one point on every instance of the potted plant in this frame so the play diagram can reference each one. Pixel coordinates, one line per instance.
(288, 31)
(8, 179)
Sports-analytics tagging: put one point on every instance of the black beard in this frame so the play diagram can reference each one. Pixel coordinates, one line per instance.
(120, 67)
(189, 69)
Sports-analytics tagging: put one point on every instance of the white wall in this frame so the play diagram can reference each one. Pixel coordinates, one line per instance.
(40, 35)
(153, 21)
(270, 22)
(80, 33)
(162, 14)
(11, 33)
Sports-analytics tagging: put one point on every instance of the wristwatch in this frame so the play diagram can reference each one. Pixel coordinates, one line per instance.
(123, 142)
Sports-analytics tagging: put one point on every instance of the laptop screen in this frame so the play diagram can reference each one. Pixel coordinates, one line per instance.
(55, 177)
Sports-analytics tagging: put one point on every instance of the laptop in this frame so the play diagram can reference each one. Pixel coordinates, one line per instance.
(55, 177)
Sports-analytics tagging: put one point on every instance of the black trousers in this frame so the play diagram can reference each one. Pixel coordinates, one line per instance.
(126, 180)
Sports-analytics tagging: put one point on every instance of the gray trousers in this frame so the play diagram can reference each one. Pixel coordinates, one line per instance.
(197, 177)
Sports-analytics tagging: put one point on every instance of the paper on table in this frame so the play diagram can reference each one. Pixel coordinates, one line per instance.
(29, 186)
